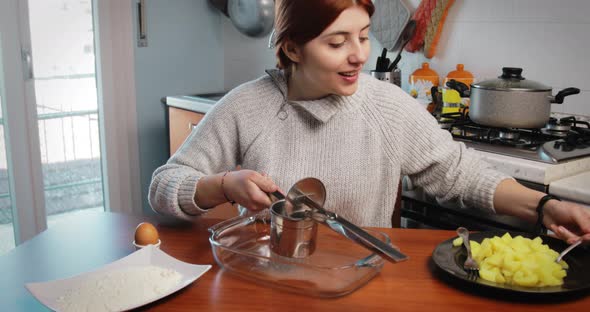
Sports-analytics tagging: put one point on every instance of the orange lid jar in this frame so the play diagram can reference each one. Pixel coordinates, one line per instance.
(425, 73)
(422, 80)
(460, 75)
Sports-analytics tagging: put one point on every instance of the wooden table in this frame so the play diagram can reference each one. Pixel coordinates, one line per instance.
(88, 242)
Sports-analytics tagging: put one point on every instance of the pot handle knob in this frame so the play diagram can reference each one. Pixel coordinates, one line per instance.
(558, 98)
(511, 73)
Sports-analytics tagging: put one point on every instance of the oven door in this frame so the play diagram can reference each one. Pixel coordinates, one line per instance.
(419, 210)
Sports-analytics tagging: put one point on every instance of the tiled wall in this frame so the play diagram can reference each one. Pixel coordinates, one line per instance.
(549, 39)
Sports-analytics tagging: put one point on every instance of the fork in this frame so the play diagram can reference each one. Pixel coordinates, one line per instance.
(563, 253)
(470, 265)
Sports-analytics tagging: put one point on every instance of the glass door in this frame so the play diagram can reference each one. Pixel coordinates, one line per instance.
(21, 192)
(64, 75)
(49, 129)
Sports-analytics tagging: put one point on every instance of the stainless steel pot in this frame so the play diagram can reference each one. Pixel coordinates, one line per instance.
(254, 18)
(511, 101)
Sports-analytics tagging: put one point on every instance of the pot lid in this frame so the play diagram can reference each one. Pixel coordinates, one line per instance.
(511, 80)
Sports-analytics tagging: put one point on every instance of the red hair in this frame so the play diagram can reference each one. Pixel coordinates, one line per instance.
(299, 21)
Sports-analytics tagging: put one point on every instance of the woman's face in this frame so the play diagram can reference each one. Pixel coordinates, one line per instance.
(331, 62)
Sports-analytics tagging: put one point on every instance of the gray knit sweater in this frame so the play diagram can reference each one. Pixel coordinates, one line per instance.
(358, 145)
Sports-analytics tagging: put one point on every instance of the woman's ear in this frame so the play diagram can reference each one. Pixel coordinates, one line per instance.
(292, 51)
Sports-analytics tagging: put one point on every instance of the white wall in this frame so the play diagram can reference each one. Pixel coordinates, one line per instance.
(548, 39)
(183, 56)
(244, 58)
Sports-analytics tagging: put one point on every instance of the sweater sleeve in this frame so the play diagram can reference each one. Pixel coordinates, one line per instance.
(433, 160)
(212, 147)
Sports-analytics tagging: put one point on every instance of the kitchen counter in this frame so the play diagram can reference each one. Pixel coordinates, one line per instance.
(575, 188)
(199, 103)
(535, 171)
(87, 242)
(569, 180)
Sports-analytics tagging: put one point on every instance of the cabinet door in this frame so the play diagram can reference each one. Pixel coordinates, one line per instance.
(181, 123)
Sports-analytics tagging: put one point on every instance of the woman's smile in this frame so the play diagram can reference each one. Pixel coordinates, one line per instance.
(350, 77)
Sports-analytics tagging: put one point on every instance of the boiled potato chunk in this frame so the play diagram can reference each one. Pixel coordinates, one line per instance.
(507, 238)
(564, 264)
(475, 247)
(496, 260)
(525, 278)
(518, 261)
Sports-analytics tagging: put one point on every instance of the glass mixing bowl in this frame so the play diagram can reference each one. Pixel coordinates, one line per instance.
(337, 267)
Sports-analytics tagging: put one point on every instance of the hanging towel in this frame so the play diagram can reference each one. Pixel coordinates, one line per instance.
(388, 22)
(435, 27)
(430, 17)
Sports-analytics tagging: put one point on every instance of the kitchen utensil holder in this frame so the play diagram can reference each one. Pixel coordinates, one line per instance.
(394, 76)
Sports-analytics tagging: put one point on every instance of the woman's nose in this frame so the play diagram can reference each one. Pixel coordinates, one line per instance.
(359, 53)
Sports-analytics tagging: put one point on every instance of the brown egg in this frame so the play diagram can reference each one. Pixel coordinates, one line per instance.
(146, 234)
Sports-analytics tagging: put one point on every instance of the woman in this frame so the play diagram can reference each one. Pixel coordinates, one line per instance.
(318, 116)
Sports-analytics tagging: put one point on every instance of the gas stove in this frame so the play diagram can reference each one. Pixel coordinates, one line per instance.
(560, 140)
(549, 160)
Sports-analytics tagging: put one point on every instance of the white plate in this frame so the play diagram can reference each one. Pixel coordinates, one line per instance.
(49, 292)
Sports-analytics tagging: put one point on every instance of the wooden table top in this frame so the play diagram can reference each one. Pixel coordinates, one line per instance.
(85, 243)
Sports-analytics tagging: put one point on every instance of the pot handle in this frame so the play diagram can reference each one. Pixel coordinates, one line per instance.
(558, 98)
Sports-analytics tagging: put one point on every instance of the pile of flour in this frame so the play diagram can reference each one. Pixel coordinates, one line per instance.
(120, 289)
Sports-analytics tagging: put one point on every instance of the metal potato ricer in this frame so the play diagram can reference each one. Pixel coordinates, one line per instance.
(294, 222)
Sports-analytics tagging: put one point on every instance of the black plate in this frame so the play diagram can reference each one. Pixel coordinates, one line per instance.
(450, 260)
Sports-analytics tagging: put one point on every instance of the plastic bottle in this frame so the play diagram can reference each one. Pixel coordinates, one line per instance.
(463, 76)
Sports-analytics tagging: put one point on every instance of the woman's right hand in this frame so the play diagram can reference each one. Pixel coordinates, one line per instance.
(249, 188)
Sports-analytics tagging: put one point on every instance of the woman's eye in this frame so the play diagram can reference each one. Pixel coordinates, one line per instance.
(337, 45)
(363, 39)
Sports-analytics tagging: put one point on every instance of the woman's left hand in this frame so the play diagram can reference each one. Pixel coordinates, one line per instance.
(568, 221)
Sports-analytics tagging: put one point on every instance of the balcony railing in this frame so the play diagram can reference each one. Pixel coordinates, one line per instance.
(74, 181)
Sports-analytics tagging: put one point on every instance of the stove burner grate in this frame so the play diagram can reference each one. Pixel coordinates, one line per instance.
(568, 133)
